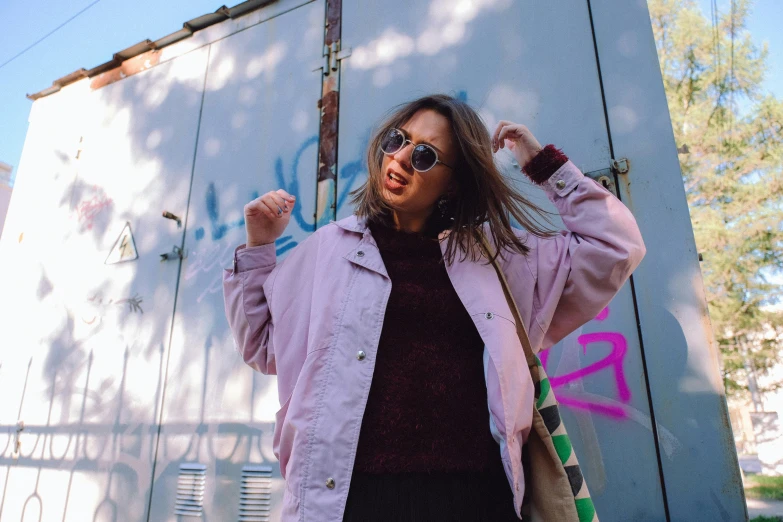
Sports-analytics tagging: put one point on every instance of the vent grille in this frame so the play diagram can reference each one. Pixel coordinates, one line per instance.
(255, 497)
(190, 490)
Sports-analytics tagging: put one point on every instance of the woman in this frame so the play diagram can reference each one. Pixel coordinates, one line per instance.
(404, 389)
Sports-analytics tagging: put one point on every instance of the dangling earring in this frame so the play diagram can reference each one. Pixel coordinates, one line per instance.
(443, 207)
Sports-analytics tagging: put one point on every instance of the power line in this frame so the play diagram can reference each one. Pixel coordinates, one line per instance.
(716, 36)
(732, 80)
(47, 35)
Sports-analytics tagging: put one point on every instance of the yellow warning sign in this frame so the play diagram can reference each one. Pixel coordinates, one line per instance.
(124, 248)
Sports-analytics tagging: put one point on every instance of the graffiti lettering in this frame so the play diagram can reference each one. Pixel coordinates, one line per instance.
(89, 209)
(134, 303)
(219, 230)
(614, 360)
(134, 306)
(289, 183)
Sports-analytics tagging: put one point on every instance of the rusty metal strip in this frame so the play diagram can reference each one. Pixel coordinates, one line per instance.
(326, 200)
(126, 68)
(118, 61)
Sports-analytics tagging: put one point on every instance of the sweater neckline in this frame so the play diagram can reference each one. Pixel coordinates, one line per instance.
(400, 242)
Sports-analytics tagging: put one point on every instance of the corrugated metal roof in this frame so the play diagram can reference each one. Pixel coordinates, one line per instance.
(188, 28)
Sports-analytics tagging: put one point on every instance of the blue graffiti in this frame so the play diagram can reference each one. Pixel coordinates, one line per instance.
(288, 180)
(283, 244)
(292, 186)
(219, 230)
(350, 173)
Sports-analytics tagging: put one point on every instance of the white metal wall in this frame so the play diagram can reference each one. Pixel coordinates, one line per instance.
(125, 374)
(258, 132)
(95, 335)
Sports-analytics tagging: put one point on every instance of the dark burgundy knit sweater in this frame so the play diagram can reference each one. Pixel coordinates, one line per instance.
(427, 408)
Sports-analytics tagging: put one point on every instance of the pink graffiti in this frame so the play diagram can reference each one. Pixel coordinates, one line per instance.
(603, 314)
(604, 409)
(613, 360)
(89, 209)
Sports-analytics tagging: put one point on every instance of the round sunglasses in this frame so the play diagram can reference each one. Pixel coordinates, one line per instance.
(423, 156)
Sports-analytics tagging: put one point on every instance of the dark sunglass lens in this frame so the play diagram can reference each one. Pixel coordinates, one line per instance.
(423, 158)
(392, 142)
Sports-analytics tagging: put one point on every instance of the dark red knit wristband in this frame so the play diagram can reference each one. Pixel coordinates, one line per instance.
(544, 164)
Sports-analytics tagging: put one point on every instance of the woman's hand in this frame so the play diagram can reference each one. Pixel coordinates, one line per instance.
(520, 140)
(266, 217)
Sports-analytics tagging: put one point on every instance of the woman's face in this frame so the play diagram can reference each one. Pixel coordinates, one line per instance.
(413, 193)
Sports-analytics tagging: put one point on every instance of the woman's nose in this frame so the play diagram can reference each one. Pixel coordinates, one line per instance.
(403, 156)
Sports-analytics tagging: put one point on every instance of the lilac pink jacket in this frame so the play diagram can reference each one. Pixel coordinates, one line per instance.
(315, 318)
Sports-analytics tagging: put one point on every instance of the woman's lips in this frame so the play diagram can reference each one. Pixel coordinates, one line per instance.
(394, 181)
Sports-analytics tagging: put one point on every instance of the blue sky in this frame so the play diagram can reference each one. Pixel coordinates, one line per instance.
(112, 25)
(764, 25)
(89, 40)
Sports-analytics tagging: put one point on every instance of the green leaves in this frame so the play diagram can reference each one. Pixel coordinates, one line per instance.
(733, 173)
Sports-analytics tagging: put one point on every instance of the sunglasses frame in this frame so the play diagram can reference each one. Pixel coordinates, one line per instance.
(405, 142)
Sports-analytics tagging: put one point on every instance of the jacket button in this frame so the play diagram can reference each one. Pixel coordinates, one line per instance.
(560, 184)
(489, 315)
(330, 483)
(361, 355)
(360, 253)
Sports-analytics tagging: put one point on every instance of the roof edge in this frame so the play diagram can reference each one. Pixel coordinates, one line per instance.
(189, 27)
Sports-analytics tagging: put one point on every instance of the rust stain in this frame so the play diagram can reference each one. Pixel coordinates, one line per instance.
(127, 68)
(330, 97)
(624, 189)
(327, 153)
(329, 106)
(333, 21)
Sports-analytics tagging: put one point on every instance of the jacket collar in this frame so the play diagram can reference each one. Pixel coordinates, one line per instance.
(354, 223)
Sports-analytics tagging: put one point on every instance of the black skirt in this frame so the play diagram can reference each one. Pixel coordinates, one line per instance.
(465, 496)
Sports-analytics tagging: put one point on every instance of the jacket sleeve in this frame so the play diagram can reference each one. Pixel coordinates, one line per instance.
(246, 291)
(578, 271)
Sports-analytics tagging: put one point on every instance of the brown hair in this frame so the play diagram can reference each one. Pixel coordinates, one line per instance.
(483, 195)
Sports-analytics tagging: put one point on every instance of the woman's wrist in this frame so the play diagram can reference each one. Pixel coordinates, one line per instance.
(251, 244)
(544, 164)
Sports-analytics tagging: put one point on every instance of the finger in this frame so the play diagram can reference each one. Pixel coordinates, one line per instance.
(264, 208)
(271, 201)
(254, 207)
(260, 209)
(286, 195)
(271, 207)
(501, 124)
(507, 132)
(281, 202)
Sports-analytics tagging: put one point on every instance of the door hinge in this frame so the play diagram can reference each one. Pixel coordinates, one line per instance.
(176, 253)
(605, 177)
(333, 54)
(18, 439)
(621, 166)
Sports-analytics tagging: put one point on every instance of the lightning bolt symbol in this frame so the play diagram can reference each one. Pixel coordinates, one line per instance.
(124, 247)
